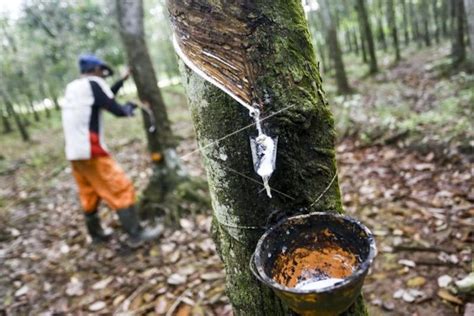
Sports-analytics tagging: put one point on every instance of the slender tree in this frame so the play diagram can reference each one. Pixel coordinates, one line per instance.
(167, 171)
(425, 17)
(405, 22)
(458, 48)
(414, 22)
(332, 41)
(305, 164)
(380, 28)
(435, 20)
(392, 22)
(7, 128)
(469, 8)
(25, 136)
(367, 30)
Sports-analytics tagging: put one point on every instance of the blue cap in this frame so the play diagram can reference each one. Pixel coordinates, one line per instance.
(88, 62)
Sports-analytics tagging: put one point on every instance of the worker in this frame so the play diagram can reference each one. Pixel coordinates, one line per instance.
(97, 175)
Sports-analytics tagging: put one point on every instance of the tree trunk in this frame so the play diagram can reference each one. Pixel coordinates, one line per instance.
(332, 41)
(363, 43)
(445, 9)
(279, 46)
(367, 30)
(33, 110)
(469, 8)
(7, 128)
(435, 20)
(425, 13)
(356, 41)
(392, 22)
(458, 43)
(380, 29)
(405, 22)
(167, 170)
(25, 136)
(414, 23)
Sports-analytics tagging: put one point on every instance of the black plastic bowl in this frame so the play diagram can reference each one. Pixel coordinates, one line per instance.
(319, 233)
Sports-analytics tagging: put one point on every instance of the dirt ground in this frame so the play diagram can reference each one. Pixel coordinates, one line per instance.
(420, 206)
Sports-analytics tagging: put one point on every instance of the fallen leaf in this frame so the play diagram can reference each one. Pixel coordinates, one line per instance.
(466, 285)
(97, 306)
(416, 281)
(408, 263)
(212, 276)
(444, 281)
(445, 295)
(22, 291)
(102, 284)
(176, 279)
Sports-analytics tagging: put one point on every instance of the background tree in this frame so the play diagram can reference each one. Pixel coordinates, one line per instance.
(458, 48)
(367, 31)
(334, 47)
(305, 163)
(469, 8)
(392, 23)
(167, 170)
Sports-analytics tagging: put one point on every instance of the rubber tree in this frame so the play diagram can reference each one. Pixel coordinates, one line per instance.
(25, 135)
(405, 22)
(380, 28)
(279, 46)
(392, 23)
(332, 40)
(458, 49)
(414, 22)
(367, 31)
(167, 170)
(469, 8)
(423, 8)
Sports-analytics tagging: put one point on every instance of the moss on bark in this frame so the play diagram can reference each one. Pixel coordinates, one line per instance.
(288, 79)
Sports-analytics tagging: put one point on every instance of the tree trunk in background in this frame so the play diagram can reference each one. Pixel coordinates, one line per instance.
(25, 136)
(392, 22)
(363, 43)
(424, 10)
(469, 8)
(7, 128)
(367, 30)
(435, 20)
(414, 23)
(356, 42)
(405, 22)
(280, 47)
(167, 171)
(332, 41)
(458, 44)
(32, 108)
(380, 29)
(445, 9)
(348, 41)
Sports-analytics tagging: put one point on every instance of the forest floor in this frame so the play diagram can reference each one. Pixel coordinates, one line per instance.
(405, 172)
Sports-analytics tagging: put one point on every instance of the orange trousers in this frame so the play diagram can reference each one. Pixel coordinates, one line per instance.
(101, 178)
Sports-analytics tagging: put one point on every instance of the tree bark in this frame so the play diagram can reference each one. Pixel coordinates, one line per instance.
(458, 43)
(469, 8)
(392, 22)
(167, 170)
(367, 30)
(279, 46)
(332, 40)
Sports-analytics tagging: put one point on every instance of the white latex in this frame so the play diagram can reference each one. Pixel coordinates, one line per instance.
(312, 284)
(265, 168)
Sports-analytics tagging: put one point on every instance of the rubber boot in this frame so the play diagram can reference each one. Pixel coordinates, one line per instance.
(94, 228)
(137, 235)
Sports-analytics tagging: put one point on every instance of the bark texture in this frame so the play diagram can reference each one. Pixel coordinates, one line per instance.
(167, 171)
(367, 30)
(279, 46)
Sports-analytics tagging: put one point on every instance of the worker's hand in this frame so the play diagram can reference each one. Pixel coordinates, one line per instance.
(126, 74)
(129, 108)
